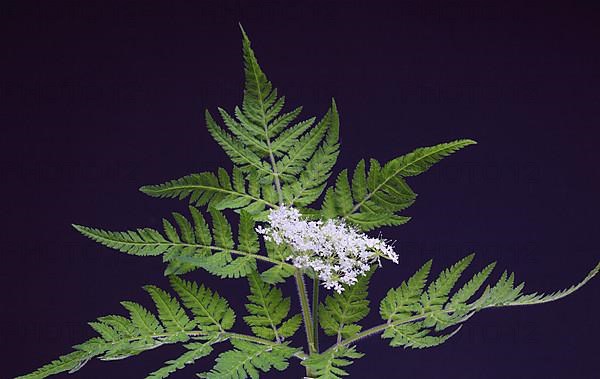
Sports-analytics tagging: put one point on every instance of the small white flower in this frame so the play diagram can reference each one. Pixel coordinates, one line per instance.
(336, 252)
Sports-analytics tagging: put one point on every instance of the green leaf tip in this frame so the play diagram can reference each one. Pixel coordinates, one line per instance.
(244, 35)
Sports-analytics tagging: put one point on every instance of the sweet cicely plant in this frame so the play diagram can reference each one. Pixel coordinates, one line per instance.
(292, 225)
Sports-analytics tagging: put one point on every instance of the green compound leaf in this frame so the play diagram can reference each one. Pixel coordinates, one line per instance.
(218, 191)
(122, 337)
(248, 360)
(331, 364)
(190, 245)
(341, 311)
(268, 309)
(415, 316)
(376, 195)
(212, 313)
(195, 351)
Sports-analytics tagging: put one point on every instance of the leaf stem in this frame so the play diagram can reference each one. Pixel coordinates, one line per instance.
(308, 326)
(231, 335)
(224, 335)
(263, 113)
(246, 337)
(306, 318)
(232, 251)
(315, 312)
(378, 329)
(275, 173)
(156, 191)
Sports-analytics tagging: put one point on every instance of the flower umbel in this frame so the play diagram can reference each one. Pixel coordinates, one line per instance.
(335, 251)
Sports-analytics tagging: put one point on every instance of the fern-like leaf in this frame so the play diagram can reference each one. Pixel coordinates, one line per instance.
(436, 296)
(195, 351)
(403, 301)
(415, 316)
(218, 191)
(239, 154)
(191, 245)
(211, 312)
(377, 195)
(341, 311)
(541, 298)
(279, 272)
(248, 359)
(415, 335)
(267, 146)
(331, 364)
(268, 308)
(121, 337)
(300, 152)
(311, 183)
(70, 363)
(172, 316)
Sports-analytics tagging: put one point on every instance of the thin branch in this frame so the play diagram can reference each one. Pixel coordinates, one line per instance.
(236, 252)
(305, 311)
(315, 312)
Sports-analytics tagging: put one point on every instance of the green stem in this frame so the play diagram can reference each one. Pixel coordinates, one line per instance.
(315, 312)
(225, 335)
(263, 113)
(308, 326)
(197, 187)
(236, 252)
(305, 311)
(299, 354)
(246, 337)
(380, 328)
(275, 173)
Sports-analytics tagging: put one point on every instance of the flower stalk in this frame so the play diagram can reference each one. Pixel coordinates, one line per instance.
(315, 312)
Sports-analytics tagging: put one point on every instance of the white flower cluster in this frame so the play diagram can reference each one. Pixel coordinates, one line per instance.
(336, 252)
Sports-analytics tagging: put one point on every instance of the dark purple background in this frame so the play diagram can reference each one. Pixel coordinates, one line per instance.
(99, 99)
